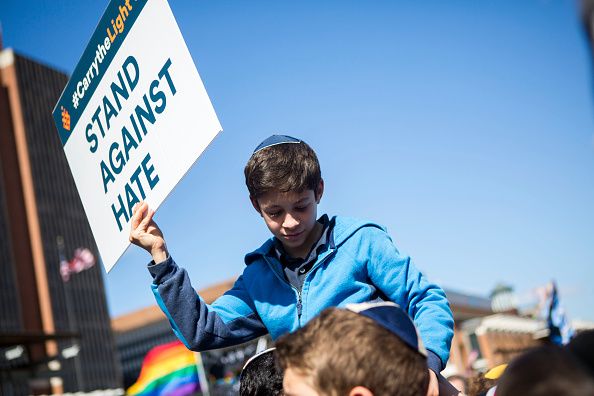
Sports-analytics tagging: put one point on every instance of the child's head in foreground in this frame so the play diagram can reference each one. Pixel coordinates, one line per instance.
(545, 371)
(261, 376)
(366, 349)
(285, 183)
(582, 347)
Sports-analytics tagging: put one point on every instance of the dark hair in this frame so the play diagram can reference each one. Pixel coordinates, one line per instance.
(461, 378)
(544, 371)
(582, 347)
(478, 385)
(340, 349)
(261, 377)
(283, 167)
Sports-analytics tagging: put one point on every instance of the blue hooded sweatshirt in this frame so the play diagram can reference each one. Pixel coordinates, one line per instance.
(361, 264)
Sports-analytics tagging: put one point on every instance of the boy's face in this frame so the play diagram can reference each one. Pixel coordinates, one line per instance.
(295, 384)
(291, 217)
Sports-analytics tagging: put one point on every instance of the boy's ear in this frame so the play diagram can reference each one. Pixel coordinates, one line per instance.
(360, 391)
(255, 204)
(320, 191)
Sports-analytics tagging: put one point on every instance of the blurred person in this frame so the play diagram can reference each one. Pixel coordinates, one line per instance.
(261, 376)
(480, 385)
(545, 371)
(582, 347)
(485, 384)
(459, 382)
(308, 265)
(363, 350)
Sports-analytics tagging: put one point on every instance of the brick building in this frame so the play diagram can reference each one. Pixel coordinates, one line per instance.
(55, 336)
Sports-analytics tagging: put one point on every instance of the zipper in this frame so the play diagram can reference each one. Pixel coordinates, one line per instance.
(299, 307)
(298, 291)
(299, 301)
(284, 281)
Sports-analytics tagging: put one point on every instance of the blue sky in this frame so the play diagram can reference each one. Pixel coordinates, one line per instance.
(465, 127)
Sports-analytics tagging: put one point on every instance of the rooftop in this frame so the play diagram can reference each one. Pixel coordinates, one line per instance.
(153, 313)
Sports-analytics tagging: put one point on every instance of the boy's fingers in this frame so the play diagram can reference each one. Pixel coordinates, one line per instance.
(137, 213)
(147, 219)
(149, 216)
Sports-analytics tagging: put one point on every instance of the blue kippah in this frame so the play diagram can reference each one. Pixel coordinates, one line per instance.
(393, 318)
(274, 140)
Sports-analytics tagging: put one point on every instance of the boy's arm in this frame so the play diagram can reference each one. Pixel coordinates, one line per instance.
(230, 320)
(397, 277)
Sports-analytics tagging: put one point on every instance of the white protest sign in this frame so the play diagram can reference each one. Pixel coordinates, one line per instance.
(133, 118)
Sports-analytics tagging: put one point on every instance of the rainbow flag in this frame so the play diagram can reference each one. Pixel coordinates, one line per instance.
(168, 369)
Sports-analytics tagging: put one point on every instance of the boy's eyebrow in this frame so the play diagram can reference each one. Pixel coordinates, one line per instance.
(274, 206)
(271, 206)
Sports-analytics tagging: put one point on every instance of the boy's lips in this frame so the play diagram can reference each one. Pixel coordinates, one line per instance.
(293, 235)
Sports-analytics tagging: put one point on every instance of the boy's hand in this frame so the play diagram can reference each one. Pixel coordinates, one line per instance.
(433, 388)
(145, 233)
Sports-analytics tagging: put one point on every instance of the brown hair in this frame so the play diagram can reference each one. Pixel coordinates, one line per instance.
(340, 350)
(479, 385)
(283, 167)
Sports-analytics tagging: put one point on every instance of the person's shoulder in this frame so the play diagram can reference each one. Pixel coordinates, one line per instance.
(346, 228)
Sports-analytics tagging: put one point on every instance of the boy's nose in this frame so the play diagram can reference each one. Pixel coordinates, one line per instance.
(290, 222)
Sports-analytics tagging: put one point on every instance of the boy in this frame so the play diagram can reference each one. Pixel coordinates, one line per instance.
(364, 350)
(307, 266)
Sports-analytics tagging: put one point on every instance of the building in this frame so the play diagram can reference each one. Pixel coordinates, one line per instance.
(135, 334)
(499, 338)
(487, 337)
(465, 307)
(55, 336)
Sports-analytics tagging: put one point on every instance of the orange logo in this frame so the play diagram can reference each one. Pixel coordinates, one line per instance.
(65, 119)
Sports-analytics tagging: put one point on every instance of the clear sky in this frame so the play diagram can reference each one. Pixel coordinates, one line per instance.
(465, 127)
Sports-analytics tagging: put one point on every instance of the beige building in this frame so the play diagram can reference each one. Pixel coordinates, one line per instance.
(137, 332)
(496, 339)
